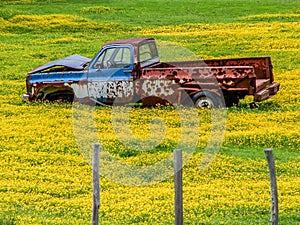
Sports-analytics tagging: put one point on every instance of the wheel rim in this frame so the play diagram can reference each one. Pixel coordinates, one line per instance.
(204, 102)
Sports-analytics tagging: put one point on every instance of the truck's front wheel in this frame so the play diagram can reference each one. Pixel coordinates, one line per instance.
(60, 96)
(206, 100)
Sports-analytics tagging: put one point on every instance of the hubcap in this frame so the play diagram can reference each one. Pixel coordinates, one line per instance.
(204, 103)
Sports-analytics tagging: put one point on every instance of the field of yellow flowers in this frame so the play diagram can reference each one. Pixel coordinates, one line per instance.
(45, 178)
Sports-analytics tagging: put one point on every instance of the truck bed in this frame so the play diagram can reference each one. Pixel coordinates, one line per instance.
(262, 65)
(242, 76)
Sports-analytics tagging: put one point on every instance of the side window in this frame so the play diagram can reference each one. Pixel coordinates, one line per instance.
(117, 57)
(123, 56)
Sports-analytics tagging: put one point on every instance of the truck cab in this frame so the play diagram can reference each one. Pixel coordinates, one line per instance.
(114, 69)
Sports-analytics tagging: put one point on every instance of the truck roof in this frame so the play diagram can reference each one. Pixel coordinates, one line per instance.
(131, 41)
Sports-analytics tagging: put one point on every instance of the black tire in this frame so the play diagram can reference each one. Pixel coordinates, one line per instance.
(206, 100)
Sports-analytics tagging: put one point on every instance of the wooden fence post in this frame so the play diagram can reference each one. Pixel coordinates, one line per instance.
(178, 187)
(273, 183)
(96, 183)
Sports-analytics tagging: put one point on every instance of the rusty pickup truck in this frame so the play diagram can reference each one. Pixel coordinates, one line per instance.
(130, 71)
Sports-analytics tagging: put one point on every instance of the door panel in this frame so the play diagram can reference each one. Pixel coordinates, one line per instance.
(110, 78)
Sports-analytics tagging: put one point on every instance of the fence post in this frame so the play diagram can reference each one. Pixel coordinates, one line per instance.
(178, 187)
(96, 183)
(273, 183)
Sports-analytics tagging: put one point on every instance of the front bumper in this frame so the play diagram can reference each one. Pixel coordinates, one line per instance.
(267, 92)
(25, 98)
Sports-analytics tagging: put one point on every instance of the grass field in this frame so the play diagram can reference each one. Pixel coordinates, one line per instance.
(44, 178)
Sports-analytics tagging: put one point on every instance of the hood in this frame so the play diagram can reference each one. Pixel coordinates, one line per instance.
(72, 62)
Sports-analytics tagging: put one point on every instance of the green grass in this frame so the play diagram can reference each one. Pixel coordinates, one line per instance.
(157, 13)
(44, 179)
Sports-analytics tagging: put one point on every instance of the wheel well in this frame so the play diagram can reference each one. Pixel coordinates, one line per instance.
(56, 93)
(154, 100)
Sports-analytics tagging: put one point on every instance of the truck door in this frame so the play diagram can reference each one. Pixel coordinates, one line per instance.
(110, 75)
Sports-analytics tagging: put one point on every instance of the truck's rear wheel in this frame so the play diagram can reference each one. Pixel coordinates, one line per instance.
(206, 100)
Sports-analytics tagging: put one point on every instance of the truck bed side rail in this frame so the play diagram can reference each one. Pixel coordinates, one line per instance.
(227, 77)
